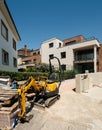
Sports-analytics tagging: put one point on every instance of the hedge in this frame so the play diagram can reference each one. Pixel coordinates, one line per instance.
(21, 75)
(25, 75)
(69, 74)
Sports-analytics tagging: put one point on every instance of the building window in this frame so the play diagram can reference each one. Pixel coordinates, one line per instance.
(4, 30)
(59, 44)
(51, 45)
(34, 54)
(38, 52)
(35, 61)
(5, 57)
(28, 62)
(63, 67)
(51, 56)
(63, 54)
(14, 44)
(71, 42)
(14, 62)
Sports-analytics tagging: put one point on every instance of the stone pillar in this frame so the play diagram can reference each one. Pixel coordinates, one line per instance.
(100, 58)
(83, 82)
(95, 59)
(79, 84)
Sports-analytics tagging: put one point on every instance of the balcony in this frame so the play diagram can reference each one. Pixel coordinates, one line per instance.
(84, 56)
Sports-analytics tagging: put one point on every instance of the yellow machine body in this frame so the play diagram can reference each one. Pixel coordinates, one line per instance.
(38, 87)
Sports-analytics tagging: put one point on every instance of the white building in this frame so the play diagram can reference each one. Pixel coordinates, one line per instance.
(50, 48)
(8, 39)
(81, 54)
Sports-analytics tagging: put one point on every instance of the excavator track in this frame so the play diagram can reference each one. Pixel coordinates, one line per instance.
(48, 102)
(39, 106)
(51, 100)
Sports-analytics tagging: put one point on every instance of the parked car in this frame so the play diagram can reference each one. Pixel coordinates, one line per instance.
(5, 82)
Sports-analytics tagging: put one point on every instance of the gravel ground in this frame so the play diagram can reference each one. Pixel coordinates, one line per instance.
(72, 112)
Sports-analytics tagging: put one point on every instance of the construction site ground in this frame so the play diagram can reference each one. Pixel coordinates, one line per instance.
(73, 111)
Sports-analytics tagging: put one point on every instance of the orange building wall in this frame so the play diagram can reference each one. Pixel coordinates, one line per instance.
(78, 39)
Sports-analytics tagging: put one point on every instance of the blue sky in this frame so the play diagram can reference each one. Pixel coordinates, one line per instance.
(40, 20)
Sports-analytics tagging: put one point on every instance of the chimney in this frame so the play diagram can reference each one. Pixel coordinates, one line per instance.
(25, 50)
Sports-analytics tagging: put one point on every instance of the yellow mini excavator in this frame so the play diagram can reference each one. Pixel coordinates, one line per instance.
(46, 91)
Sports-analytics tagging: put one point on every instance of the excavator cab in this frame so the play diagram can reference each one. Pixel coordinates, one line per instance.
(55, 76)
(51, 87)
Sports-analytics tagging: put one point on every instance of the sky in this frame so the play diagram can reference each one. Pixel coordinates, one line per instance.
(40, 20)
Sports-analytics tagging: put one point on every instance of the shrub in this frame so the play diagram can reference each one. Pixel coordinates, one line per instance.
(22, 75)
(69, 74)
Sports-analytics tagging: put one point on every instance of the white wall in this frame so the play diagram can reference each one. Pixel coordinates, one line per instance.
(46, 51)
(56, 50)
(19, 61)
(7, 46)
(68, 61)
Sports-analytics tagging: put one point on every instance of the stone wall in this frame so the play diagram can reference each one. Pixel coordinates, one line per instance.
(88, 80)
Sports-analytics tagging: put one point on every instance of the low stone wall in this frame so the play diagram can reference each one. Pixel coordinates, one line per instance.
(96, 78)
(87, 80)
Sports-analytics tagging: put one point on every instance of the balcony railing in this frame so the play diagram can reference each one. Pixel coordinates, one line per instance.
(84, 58)
(84, 55)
